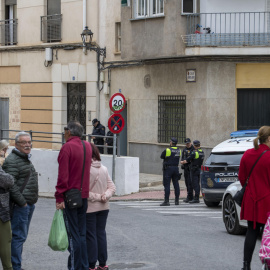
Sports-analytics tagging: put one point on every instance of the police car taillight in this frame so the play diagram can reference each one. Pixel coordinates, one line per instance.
(205, 168)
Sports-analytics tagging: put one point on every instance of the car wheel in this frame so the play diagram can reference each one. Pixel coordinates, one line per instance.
(211, 204)
(230, 217)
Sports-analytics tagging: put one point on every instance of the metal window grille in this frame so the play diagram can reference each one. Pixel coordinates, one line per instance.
(51, 28)
(148, 8)
(171, 118)
(8, 30)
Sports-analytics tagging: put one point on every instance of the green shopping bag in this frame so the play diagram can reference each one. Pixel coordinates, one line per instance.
(58, 239)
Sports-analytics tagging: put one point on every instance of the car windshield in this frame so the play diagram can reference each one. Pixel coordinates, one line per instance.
(224, 159)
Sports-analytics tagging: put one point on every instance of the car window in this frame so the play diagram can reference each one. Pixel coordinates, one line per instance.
(224, 159)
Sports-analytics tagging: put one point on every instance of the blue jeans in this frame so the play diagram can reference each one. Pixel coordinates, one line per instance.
(96, 238)
(75, 220)
(20, 226)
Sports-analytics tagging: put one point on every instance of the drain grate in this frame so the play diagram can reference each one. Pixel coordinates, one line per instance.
(120, 266)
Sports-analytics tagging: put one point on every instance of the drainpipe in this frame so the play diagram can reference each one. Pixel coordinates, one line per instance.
(98, 60)
(84, 21)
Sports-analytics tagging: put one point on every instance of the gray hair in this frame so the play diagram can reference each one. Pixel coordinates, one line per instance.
(75, 128)
(20, 134)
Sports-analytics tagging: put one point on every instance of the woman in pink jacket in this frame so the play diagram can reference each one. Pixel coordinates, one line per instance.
(101, 190)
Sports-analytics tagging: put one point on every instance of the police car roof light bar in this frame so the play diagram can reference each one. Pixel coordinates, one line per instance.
(244, 133)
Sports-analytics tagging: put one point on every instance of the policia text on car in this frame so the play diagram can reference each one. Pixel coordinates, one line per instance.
(171, 158)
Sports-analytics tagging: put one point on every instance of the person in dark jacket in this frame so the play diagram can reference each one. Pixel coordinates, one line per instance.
(171, 157)
(185, 154)
(74, 173)
(24, 193)
(109, 142)
(256, 201)
(98, 129)
(6, 182)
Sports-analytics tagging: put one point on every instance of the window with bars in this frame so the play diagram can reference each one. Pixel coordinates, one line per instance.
(171, 118)
(148, 8)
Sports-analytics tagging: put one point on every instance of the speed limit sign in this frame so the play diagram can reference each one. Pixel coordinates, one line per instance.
(117, 102)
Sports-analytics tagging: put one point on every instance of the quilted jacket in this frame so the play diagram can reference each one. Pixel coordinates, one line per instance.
(6, 182)
(18, 165)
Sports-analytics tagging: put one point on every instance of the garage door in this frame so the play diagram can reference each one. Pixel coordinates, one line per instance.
(253, 110)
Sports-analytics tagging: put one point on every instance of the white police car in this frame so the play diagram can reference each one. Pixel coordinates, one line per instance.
(221, 168)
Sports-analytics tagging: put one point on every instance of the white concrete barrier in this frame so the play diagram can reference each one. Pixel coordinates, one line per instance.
(126, 171)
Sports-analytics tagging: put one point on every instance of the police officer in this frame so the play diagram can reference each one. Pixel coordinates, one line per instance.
(171, 158)
(98, 129)
(109, 142)
(196, 160)
(185, 154)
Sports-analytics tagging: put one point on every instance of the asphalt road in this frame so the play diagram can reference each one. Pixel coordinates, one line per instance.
(142, 235)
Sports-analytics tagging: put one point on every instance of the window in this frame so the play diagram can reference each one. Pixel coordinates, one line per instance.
(51, 25)
(188, 6)
(171, 118)
(118, 37)
(148, 8)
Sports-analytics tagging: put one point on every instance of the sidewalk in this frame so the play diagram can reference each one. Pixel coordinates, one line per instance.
(151, 188)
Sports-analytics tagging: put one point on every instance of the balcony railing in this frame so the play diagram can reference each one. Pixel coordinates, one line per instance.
(8, 30)
(228, 29)
(51, 28)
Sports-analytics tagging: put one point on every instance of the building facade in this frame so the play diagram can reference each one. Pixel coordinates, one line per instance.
(189, 68)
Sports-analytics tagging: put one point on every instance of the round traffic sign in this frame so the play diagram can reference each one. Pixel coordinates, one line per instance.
(117, 102)
(116, 123)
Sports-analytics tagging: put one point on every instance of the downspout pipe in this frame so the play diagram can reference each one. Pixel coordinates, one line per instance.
(84, 14)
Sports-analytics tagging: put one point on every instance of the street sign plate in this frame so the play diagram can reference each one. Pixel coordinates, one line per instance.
(117, 102)
(116, 123)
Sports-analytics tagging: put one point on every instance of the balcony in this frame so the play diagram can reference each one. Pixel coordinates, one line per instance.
(8, 35)
(51, 28)
(228, 29)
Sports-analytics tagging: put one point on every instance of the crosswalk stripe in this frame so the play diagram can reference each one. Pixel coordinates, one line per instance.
(184, 213)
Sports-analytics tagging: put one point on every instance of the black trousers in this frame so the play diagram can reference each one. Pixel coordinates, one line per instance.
(168, 174)
(96, 238)
(188, 183)
(251, 238)
(195, 180)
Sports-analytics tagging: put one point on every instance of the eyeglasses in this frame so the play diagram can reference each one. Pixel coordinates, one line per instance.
(66, 128)
(25, 143)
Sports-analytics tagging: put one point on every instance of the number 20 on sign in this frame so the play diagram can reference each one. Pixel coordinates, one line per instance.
(117, 102)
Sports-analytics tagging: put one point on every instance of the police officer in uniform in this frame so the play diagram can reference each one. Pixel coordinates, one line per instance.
(185, 154)
(98, 129)
(196, 160)
(171, 158)
(109, 142)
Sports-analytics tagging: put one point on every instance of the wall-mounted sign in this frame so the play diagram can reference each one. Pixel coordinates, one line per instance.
(191, 75)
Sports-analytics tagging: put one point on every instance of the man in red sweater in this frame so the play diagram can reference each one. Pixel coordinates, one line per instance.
(70, 175)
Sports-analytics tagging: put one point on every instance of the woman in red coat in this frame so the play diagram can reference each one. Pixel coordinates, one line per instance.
(256, 201)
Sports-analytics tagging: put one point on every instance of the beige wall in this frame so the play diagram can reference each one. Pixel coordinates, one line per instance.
(210, 102)
(153, 37)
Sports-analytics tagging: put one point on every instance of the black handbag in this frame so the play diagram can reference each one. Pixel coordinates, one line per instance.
(74, 196)
(238, 197)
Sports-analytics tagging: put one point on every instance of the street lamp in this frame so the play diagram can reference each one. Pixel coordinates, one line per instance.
(88, 46)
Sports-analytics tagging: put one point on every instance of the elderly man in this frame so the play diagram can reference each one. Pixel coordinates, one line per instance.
(73, 175)
(24, 193)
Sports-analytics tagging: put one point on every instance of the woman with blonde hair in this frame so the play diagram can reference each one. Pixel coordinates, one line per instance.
(256, 201)
(3, 151)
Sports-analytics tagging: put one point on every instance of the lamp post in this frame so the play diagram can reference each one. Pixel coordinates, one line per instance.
(87, 33)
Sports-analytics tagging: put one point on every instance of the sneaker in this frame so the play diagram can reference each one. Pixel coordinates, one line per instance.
(165, 204)
(103, 268)
(195, 201)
